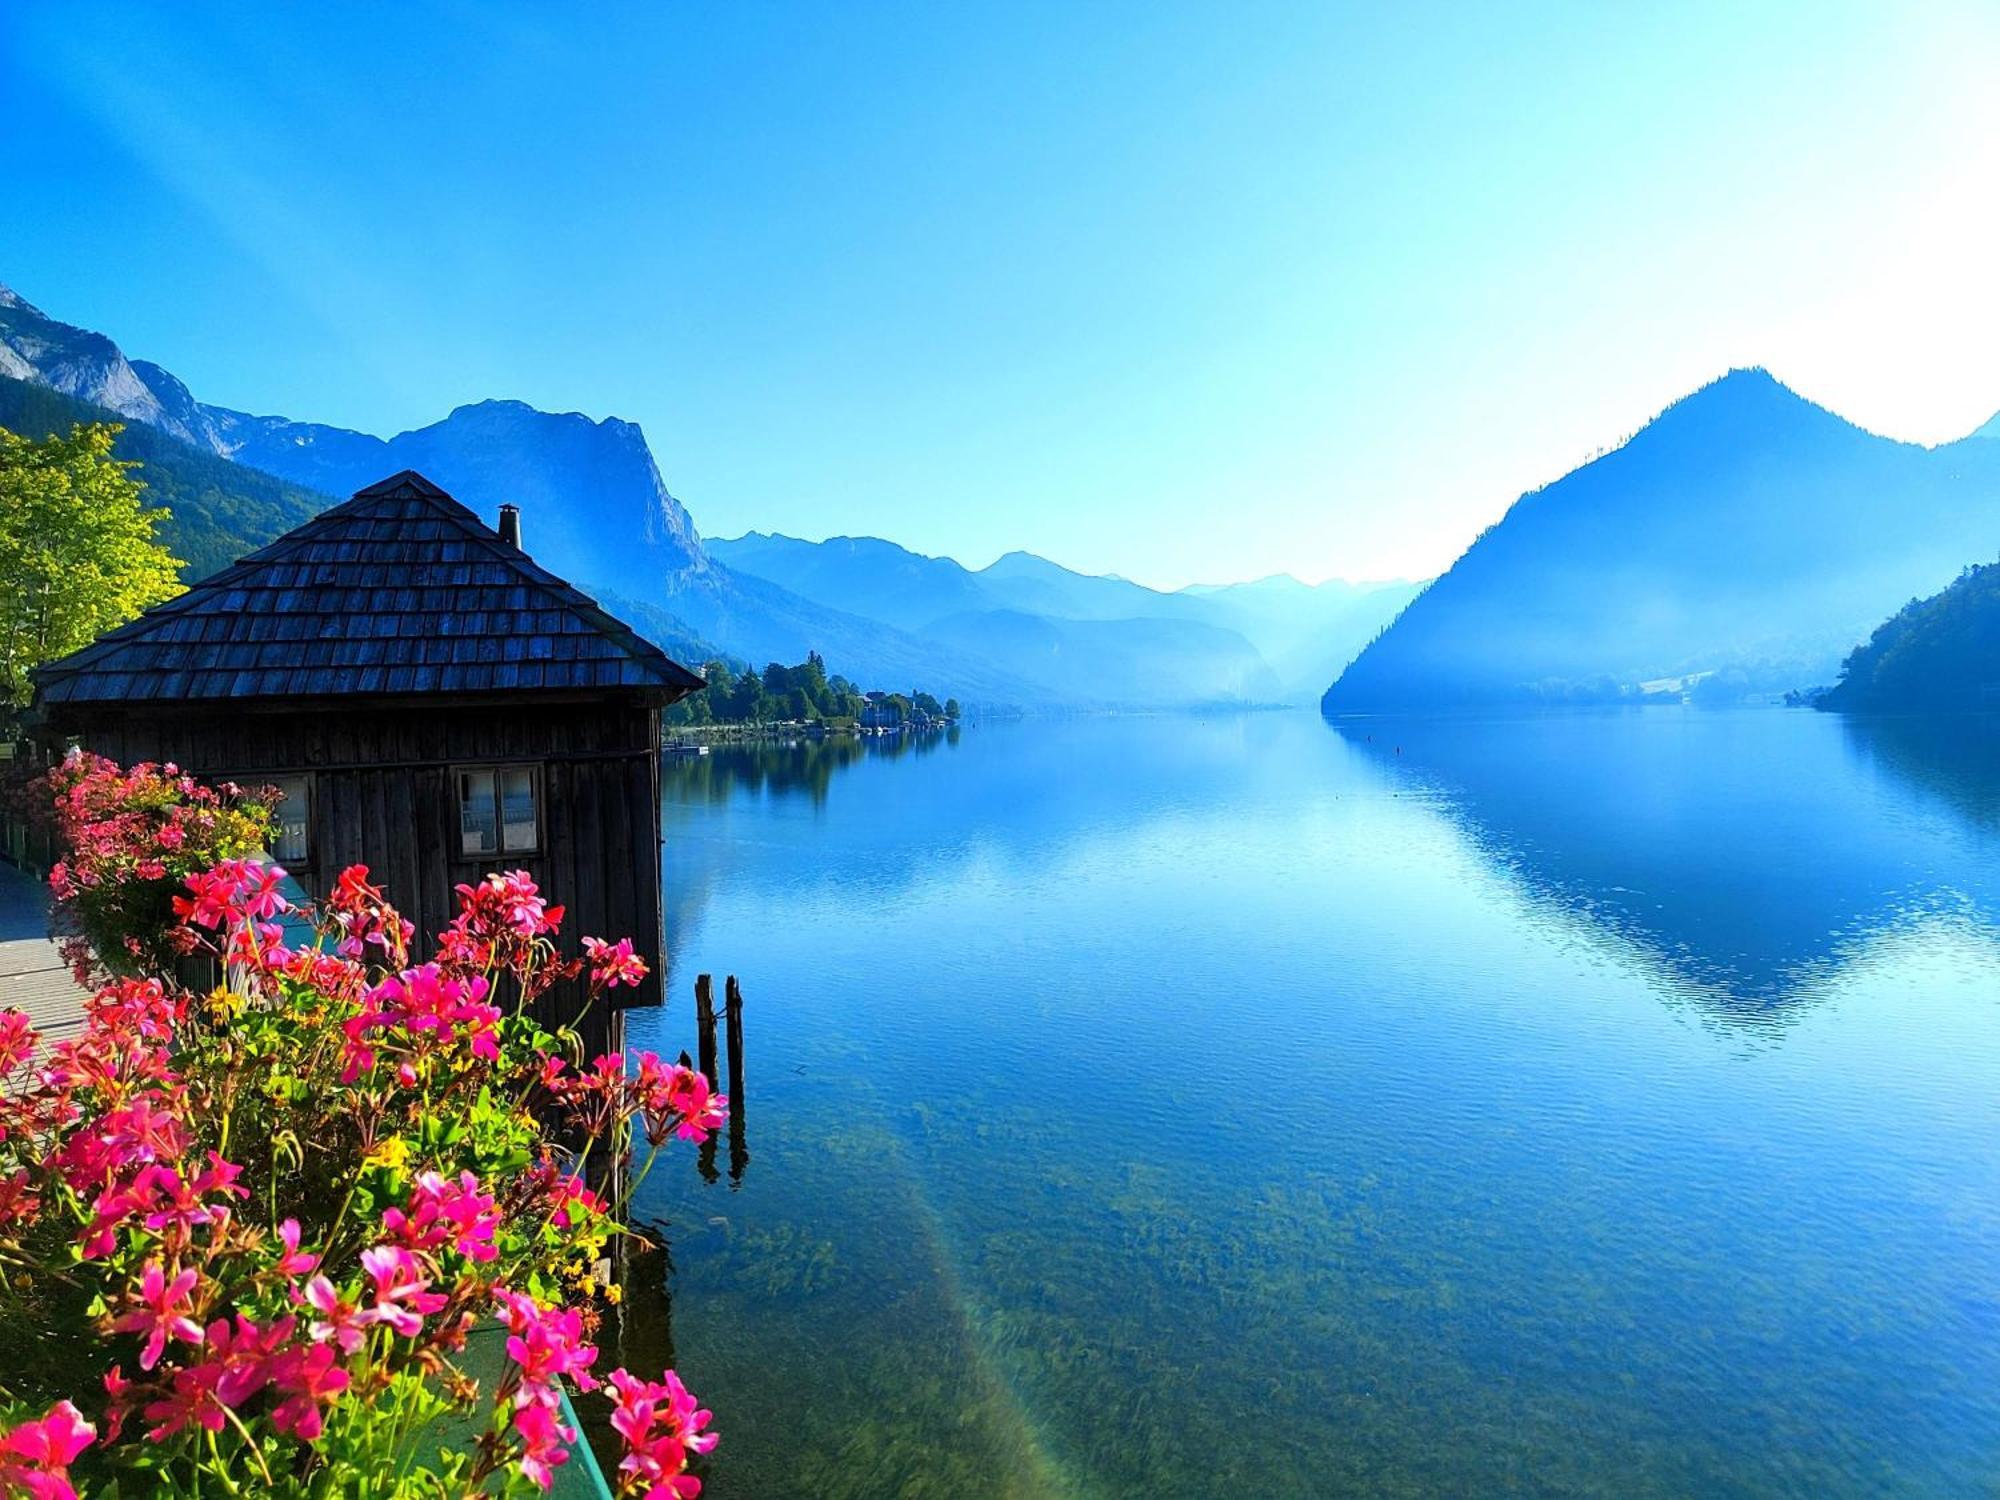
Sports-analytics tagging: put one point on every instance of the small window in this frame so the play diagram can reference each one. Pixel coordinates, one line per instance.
(291, 820)
(499, 811)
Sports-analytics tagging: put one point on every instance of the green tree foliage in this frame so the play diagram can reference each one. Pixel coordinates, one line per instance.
(214, 511)
(806, 693)
(1936, 654)
(77, 550)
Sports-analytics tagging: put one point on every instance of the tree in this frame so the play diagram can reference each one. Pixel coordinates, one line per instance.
(77, 551)
(810, 677)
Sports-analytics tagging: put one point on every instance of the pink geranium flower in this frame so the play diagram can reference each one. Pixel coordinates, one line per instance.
(163, 1309)
(442, 1212)
(190, 1397)
(339, 1320)
(613, 964)
(293, 1262)
(544, 1443)
(308, 1380)
(243, 1355)
(35, 1456)
(17, 1039)
(400, 1287)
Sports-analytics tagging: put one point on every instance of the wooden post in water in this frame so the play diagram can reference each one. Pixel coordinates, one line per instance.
(732, 1012)
(704, 1019)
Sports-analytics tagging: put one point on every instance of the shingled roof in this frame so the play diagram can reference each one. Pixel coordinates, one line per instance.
(398, 591)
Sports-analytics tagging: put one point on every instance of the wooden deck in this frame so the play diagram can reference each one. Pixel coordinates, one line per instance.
(33, 976)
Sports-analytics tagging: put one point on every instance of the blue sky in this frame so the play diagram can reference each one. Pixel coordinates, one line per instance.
(1186, 292)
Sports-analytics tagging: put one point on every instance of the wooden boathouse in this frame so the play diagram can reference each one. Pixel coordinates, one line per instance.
(431, 703)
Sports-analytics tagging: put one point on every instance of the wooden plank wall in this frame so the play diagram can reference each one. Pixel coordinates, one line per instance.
(383, 797)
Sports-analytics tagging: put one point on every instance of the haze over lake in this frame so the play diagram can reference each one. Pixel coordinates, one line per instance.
(1591, 1103)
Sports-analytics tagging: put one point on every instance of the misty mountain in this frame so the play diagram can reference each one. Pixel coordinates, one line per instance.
(1133, 659)
(1021, 580)
(596, 509)
(1307, 632)
(1745, 533)
(1276, 640)
(863, 574)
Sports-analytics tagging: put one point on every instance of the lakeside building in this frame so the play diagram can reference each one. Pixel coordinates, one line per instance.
(432, 704)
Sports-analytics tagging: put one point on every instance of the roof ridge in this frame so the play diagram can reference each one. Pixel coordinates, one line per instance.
(231, 613)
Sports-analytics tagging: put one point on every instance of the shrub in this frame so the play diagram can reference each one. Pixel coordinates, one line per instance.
(247, 1235)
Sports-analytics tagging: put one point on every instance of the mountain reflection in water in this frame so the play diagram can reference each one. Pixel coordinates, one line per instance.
(1743, 849)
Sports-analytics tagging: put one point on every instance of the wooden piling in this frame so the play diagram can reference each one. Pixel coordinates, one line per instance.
(704, 1017)
(732, 1012)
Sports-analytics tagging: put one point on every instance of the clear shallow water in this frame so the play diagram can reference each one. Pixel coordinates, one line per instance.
(1599, 1104)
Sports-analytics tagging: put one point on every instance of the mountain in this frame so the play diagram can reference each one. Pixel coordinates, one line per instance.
(860, 573)
(1745, 536)
(596, 509)
(1935, 655)
(1022, 617)
(593, 494)
(1098, 636)
(218, 510)
(35, 347)
(1307, 632)
(1021, 580)
(594, 506)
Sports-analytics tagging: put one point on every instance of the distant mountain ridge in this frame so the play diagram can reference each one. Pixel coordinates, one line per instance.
(480, 452)
(596, 509)
(1266, 642)
(1023, 632)
(1745, 537)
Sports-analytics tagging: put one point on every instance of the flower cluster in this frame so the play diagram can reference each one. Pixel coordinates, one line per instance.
(667, 1098)
(546, 1346)
(661, 1425)
(503, 922)
(613, 964)
(416, 1013)
(363, 921)
(130, 834)
(285, 1209)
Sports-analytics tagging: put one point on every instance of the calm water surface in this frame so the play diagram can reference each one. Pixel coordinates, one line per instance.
(1599, 1104)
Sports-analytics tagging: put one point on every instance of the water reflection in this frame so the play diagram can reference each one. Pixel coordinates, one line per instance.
(1745, 851)
(764, 774)
(804, 766)
(1955, 761)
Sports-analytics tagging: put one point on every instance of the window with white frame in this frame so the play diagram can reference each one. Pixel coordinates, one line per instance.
(499, 810)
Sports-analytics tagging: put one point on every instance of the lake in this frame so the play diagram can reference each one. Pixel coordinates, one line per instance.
(1586, 1104)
